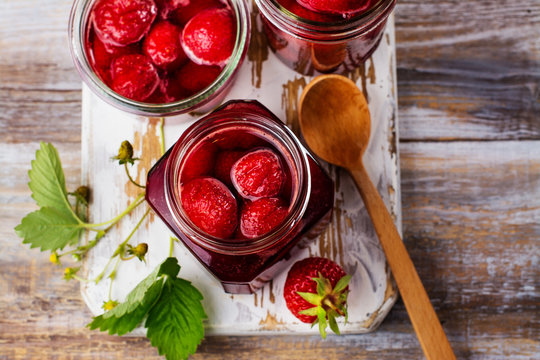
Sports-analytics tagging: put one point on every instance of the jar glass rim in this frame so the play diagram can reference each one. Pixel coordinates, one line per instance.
(197, 133)
(287, 20)
(78, 32)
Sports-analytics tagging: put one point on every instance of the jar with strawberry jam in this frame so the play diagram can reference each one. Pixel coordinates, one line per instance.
(242, 193)
(324, 35)
(159, 57)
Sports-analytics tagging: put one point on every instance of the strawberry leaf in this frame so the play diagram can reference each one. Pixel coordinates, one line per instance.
(126, 316)
(49, 229)
(175, 323)
(122, 321)
(47, 180)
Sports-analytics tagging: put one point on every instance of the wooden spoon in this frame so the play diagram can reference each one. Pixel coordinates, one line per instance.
(335, 123)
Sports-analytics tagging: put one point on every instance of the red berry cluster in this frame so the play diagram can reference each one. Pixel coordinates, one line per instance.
(160, 51)
(235, 185)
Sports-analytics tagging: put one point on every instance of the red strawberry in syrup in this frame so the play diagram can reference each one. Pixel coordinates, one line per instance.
(123, 22)
(167, 7)
(134, 76)
(261, 216)
(258, 174)
(211, 206)
(162, 45)
(168, 91)
(189, 8)
(200, 162)
(209, 37)
(346, 8)
(316, 290)
(194, 78)
(102, 55)
(224, 162)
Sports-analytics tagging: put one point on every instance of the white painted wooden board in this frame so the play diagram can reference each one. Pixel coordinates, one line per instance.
(350, 239)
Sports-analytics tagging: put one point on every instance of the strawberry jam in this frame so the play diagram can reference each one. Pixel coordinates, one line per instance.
(324, 35)
(241, 193)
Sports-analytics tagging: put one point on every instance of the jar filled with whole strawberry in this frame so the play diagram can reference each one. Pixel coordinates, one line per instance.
(324, 35)
(242, 193)
(159, 57)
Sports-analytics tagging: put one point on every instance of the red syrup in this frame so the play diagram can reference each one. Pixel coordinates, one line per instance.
(245, 257)
(309, 41)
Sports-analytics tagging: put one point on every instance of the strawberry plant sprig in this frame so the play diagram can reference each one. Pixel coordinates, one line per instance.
(171, 306)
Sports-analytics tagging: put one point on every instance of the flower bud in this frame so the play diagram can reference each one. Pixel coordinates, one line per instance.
(125, 153)
(139, 251)
(55, 259)
(83, 192)
(69, 273)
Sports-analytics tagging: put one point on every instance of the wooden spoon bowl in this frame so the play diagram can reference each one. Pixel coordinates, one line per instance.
(335, 122)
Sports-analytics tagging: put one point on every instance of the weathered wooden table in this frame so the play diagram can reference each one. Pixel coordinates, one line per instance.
(469, 130)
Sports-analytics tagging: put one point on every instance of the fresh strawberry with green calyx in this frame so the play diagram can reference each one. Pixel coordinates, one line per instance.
(316, 291)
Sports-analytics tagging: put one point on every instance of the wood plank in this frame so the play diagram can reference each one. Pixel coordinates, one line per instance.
(469, 69)
(471, 221)
(39, 86)
(473, 335)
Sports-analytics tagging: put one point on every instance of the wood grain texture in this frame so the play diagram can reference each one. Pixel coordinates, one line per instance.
(468, 84)
(468, 69)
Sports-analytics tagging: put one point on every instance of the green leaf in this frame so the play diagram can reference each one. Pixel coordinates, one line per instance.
(126, 316)
(175, 322)
(49, 229)
(342, 283)
(169, 267)
(47, 180)
(311, 298)
(122, 321)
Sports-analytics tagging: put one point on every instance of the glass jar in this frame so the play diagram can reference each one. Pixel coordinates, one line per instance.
(243, 265)
(203, 101)
(308, 45)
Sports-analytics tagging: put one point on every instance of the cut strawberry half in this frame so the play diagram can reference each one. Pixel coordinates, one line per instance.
(262, 216)
(162, 46)
(211, 206)
(134, 76)
(123, 22)
(194, 78)
(258, 174)
(316, 291)
(189, 8)
(209, 37)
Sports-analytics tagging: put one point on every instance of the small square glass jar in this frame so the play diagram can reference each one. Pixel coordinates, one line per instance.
(308, 45)
(202, 101)
(244, 265)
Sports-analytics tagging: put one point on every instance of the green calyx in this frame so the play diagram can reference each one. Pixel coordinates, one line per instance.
(329, 303)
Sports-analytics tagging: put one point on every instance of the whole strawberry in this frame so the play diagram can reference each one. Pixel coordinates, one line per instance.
(316, 291)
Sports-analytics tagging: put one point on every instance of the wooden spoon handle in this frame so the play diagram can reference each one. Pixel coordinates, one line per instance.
(423, 317)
